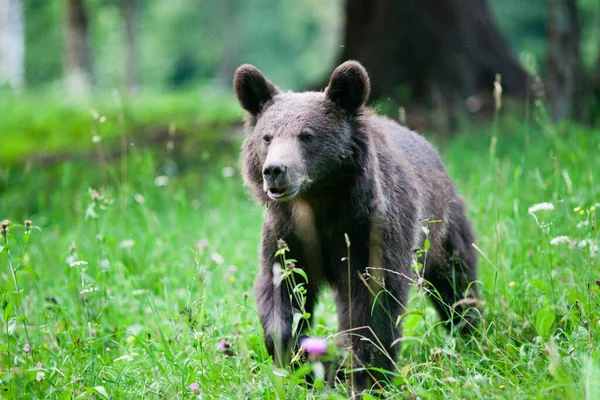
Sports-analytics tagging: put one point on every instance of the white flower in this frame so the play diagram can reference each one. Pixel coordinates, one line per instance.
(228, 172)
(540, 206)
(127, 357)
(217, 258)
(96, 139)
(139, 198)
(89, 289)
(161, 180)
(40, 376)
(559, 239)
(127, 243)
(582, 224)
(77, 263)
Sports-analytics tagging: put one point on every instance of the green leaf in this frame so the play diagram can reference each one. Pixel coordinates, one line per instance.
(539, 284)
(96, 389)
(301, 272)
(426, 244)
(9, 310)
(25, 238)
(30, 271)
(66, 395)
(544, 320)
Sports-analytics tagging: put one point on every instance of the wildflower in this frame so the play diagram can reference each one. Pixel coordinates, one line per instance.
(139, 198)
(161, 180)
(592, 208)
(314, 345)
(217, 258)
(511, 283)
(40, 376)
(540, 206)
(127, 357)
(127, 243)
(96, 139)
(4, 225)
(577, 209)
(231, 278)
(194, 387)
(228, 172)
(202, 244)
(27, 348)
(281, 244)
(27, 223)
(581, 212)
(94, 195)
(501, 386)
(559, 239)
(226, 348)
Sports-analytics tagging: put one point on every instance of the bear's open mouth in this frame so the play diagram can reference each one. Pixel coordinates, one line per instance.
(282, 194)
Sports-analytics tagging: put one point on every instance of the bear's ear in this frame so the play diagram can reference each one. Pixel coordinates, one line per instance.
(349, 86)
(252, 89)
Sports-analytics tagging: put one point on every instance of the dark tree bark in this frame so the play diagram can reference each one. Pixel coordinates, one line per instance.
(564, 75)
(440, 51)
(78, 67)
(128, 11)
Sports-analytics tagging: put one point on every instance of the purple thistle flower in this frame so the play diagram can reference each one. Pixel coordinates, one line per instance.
(194, 386)
(27, 348)
(314, 345)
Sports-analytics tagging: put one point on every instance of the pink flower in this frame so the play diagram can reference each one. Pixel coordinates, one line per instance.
(226, 348)
(27, 348)
(194, 386)
(314, 345)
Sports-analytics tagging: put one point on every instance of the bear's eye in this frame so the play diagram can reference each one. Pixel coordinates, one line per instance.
(307, 135)
(267, 139)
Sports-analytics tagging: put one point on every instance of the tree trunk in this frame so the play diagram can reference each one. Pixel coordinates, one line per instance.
(426, 51)
(564, 57)
(231, 46)
(78, 69)
(12, 44)
(128, 9)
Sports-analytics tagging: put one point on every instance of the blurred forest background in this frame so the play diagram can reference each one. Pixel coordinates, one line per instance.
(423, 55)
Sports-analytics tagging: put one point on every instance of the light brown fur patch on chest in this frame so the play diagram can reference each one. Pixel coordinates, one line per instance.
(303, 217)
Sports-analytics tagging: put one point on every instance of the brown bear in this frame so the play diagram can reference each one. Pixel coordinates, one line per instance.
(352, 195)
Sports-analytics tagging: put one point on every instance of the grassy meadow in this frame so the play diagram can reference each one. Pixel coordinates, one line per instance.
(135, 277)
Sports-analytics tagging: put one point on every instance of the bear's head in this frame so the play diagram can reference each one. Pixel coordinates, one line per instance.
(299, 142)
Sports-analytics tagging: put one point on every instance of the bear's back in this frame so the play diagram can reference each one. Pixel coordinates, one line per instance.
(412, 147)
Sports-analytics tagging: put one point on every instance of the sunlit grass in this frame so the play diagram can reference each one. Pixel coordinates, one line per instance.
(129, 283)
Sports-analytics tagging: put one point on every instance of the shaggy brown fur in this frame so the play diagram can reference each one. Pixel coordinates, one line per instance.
(326, 166)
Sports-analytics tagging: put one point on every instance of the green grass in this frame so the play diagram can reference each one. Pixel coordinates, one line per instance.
(169, 270)
(47, 121)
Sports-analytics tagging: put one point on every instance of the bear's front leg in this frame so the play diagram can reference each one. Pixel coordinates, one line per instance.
(368, 307)
(276, 300)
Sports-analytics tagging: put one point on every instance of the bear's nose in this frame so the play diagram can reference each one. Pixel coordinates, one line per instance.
(273, 171)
